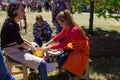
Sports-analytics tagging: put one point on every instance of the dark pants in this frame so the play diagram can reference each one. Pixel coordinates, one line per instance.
(39, 8)
(62, 60)
(58, 27)
(45, 37)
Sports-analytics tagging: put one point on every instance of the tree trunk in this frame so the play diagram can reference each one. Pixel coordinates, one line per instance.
(90, 30)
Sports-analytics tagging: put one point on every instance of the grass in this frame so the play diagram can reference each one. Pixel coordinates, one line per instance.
(101, 68)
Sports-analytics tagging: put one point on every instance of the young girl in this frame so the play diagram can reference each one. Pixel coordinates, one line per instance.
(75, 41)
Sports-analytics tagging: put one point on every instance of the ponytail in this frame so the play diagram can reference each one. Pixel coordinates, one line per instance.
(66, 16)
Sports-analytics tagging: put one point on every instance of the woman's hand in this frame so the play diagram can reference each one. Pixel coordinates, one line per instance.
(45, 45)
(48, 43)
(33, 49)
(45, 48)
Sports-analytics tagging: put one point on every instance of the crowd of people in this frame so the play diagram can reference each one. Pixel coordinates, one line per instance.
(31, 5)
(36, 5)
(75, 47)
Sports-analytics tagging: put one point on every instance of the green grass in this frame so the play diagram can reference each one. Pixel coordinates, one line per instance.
(101, 26)
(100, 68)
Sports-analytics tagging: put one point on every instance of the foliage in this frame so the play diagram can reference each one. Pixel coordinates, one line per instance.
(107, 8)
(79, 5)
(104, 8)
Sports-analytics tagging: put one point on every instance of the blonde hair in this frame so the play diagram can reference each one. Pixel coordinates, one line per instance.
(65, 16)
(39, 17)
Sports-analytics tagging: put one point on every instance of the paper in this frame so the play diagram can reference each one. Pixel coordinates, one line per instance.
(51, 66)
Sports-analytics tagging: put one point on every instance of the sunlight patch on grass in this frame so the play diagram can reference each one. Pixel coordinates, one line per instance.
(97, 76)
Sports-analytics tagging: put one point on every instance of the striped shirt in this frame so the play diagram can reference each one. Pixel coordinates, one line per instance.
(45, 28)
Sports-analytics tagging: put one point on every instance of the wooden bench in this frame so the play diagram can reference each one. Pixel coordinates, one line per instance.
(11, 63)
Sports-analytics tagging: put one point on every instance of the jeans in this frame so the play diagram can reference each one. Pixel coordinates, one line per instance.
(43, 71)
(4, 73)
(46, 37)
(58, 27)
(38, 41)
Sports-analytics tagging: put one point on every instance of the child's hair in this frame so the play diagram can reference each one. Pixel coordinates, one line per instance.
(65, 16)
(39, 17)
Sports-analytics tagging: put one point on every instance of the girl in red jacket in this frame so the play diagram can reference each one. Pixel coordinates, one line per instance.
(74, 40)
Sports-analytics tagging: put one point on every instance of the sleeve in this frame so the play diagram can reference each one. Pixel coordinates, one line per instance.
(48, 27)
(34, 30)
(74, 33)
(60, 35)
(15, 34)
(68, 39)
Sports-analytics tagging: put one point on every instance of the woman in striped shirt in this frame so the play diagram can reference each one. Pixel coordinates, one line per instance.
(41, 30)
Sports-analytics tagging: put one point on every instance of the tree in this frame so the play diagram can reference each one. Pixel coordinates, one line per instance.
(107, 8)
(103, 8)
(90, 30)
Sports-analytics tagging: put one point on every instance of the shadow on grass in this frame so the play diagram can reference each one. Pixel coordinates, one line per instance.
(58, 76)
(106, 33)
(107, 67)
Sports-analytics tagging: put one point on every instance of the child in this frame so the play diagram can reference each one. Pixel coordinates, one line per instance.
(75, 41)
(41, 30)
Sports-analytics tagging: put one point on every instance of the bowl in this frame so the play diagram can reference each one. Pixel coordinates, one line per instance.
(55, 52)
(39, 52)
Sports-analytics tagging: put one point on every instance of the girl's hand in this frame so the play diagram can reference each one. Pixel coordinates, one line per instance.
(45, 48)
(45, 45)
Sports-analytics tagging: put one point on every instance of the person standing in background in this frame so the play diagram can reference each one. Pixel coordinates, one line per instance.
(39, 6)
(59, 5)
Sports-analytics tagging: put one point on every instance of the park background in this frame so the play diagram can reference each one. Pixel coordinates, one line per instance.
(101, 67)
